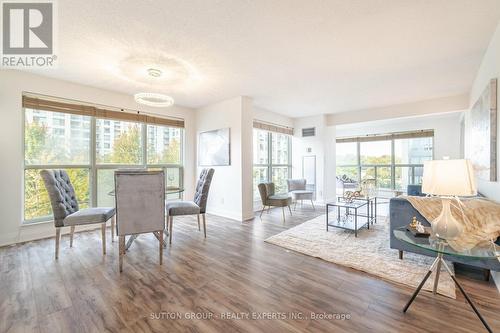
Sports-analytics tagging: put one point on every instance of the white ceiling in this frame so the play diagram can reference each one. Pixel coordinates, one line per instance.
(294, 57)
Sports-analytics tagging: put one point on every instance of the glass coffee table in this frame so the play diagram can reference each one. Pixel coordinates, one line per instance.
(441, 247)
(348, 215)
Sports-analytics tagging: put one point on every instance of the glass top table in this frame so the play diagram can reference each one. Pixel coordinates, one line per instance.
(489, 251)
(349, 218)
(441, 247)
(167, 191)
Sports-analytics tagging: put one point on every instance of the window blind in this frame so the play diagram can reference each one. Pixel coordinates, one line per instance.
(97, 111)
(272, 128)
(389, 136)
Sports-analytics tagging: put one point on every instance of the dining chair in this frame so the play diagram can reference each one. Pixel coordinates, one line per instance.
(196, 207)
(66, 210)
(140, 206)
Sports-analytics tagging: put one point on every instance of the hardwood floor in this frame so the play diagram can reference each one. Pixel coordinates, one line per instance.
(232, 272)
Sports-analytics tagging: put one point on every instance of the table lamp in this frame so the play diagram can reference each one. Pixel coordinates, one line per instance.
(448, 179)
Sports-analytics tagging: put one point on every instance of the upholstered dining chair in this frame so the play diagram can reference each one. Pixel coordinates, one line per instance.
(66, 210)
(140, 206)
(297, 189)
(270, 199)
(196, 207)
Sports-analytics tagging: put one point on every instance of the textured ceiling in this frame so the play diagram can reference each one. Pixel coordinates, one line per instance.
(294, 57)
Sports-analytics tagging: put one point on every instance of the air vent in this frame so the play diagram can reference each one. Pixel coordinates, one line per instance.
(311, 131)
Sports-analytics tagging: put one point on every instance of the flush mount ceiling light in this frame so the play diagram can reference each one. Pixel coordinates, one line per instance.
(154, 99)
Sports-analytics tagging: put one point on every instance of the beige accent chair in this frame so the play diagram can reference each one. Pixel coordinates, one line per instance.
(298, 192)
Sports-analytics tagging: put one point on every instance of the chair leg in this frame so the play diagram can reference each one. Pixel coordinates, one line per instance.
(290, 209)
(283, 211)
(160, 238)
(262, 211)
(400, 254)
(103, 235)
(312, 203)
(58, 238)
(113, 224)
(198, 216)
(204, 226)
(71, 233)
(121, 250)
(171, 218)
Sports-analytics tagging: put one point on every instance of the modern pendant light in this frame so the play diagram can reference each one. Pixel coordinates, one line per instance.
(154, 99)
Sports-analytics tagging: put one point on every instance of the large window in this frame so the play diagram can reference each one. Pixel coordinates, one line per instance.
(394, 161)
(271, 159)
(91, 149)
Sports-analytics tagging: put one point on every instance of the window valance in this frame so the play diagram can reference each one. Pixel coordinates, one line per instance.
(97, 111)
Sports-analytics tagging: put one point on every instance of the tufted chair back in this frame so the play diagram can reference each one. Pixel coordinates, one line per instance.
(265, 191)
(61, 193)
(296, 184)
(202, 187)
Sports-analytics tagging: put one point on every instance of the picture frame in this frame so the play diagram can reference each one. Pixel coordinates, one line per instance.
(482, 134)
(214, 147)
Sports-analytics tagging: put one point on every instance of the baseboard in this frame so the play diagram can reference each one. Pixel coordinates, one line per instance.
(496, 279)
(226, 214)
(32, 232)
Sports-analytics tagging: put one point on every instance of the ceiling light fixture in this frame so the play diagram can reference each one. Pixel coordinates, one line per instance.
(154, 99)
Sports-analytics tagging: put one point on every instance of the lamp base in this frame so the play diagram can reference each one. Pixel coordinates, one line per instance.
(445, 226)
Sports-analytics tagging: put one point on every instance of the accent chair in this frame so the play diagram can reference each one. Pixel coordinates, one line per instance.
(270, 199)
(346, 183)
(196, 207)
(298, 192)
(66, 209)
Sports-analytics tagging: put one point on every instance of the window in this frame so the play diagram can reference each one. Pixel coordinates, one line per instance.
(91, 169)
(394, 161)
(271, 159)
(124, 148)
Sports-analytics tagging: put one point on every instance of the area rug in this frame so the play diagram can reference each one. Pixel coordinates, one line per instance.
(369, 252)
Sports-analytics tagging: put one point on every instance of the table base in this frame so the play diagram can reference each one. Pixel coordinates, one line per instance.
(437, 264)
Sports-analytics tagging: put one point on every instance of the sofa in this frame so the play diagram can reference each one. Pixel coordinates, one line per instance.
(401, 213)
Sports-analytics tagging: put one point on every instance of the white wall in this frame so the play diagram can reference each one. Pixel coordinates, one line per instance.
(271, 117)
(419, 108)
(231, 189)
(489, 69)
(322, 146)
(12, 85)
(446, 130)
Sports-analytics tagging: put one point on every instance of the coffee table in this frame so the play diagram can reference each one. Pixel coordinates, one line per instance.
(346, 219)
(441, 247)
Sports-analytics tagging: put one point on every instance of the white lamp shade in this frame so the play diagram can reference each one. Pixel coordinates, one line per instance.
(449, 178)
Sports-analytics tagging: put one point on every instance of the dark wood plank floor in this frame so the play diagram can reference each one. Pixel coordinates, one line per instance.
(232, 271)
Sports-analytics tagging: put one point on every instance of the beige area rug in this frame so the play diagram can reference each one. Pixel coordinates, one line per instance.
(369, 252)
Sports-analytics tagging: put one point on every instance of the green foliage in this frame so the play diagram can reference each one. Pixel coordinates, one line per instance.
(36, 198)
(126, 148)
(170, 155)
(34, 142)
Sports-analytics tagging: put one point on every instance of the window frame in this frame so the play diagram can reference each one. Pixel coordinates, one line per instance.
(93, 166)
(392, 166)
(269, 165)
